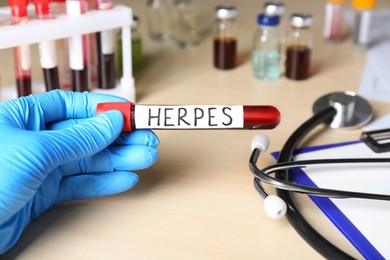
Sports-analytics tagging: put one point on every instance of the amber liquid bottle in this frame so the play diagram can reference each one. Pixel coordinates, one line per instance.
(299, 42)
(298, 62)
(225, 40)
(225, 52)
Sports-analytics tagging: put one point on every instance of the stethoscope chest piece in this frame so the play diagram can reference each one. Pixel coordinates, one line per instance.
(352, 110)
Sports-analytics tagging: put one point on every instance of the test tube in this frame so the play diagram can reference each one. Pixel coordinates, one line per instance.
(78, 49)
(333, 26)
(363, 10)
(47, 49)
(105, 51)
(193, 116)
(22, 57)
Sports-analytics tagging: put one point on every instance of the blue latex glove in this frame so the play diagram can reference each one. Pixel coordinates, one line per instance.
(53, 149)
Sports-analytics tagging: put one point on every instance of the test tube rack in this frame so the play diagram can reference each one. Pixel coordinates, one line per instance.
(63, 26)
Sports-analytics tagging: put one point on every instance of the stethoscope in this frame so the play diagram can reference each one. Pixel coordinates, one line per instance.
(338, 110)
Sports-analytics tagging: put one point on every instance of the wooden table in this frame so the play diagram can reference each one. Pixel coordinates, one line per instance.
(198, 201)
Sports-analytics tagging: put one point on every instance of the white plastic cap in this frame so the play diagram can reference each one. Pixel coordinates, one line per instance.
(301, 20)
(260, 141)
(225, 12)
(274, 8)
(275, 207)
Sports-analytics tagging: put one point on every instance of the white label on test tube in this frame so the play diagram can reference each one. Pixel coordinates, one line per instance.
(48, 54)
(25, 59)
(107, 41)
(182, 117)
(76, 61)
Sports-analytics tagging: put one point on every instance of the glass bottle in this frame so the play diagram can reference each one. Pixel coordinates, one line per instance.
(333, 26)
(136, 47)
(225, 37)
(363, 13)
(299, 44)
(158, 19)
(184, 31)
(266, 54)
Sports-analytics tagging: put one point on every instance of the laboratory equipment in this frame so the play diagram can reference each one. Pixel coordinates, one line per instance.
(337, 110)
(47, 49)
(225, 37)
(363, 13)
(22, 57)
(105, 47)
(266, 53)
(158, 19)
(299, 44)
(193, 116)
(333, 24)
(184, 28)
(78, 49)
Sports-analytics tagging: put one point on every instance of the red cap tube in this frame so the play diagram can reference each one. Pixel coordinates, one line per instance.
(18, 8)
(42, 7)
(193, 116)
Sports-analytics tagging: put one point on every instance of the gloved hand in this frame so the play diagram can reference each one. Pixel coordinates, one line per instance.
(54, 149)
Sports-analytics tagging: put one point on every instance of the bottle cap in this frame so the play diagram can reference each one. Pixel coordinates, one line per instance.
(363, 4)
(42, 6)
(263, 19)
(301, 20)
(274, 8)
(18, 8)
(225, 11)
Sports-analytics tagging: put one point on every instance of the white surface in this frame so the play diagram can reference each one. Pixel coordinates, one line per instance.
(177, 117)
(370, 217)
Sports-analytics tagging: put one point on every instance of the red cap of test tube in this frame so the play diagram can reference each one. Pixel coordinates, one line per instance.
(124, 107)
(18, 8)
(42, 6)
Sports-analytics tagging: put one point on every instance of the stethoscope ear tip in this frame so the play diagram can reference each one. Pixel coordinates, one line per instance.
(275, 207)
(260, 141)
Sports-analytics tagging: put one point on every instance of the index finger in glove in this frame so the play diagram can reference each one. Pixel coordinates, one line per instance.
(35, 111)
(62, 105)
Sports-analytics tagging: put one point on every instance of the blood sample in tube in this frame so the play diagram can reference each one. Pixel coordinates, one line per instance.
(105, 51)
(47, 49)
(78, 49)
(193, 116)
(22, 57)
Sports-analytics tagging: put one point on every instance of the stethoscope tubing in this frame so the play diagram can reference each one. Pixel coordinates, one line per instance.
(263, 175)
(295, 218)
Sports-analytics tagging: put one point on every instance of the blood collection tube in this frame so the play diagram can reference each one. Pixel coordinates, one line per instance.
(363, 10)
(47, 49)
(105, 51)
(193, 116)
(22, 57)
(78, 49)
(333, 26)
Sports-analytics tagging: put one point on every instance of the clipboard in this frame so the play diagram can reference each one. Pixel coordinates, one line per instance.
(365, 223)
